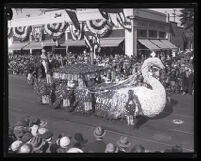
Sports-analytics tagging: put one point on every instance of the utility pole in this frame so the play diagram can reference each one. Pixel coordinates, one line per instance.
(174, 14)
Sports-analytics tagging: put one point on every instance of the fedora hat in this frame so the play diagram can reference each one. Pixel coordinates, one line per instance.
(99, 132)
(37, 142)
(75, 150)
(123, 142)
(79, 138)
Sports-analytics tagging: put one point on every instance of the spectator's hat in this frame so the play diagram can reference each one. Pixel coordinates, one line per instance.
(99, 132)
(123, 142)
(34, 130)
(46, 135)
(110, 148)
(34, 120)
(43, 51)
(27, 136)
(153, 54)
(63, 142)
(26, 148)
(37, 142)
(19, 131)
(15, 145)
(75, 150)
(79, 138)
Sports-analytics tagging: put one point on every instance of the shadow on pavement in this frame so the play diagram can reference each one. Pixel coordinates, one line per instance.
(166, 112)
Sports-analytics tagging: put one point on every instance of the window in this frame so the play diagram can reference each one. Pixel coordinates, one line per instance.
(152, 33)
(142, 33)
(162, 35)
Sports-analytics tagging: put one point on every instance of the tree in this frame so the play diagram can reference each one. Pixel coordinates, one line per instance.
(187, 21)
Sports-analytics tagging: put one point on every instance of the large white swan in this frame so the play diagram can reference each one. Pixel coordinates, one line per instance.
(150, 101)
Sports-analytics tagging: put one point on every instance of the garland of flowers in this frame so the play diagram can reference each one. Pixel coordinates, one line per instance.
(37, 32)
(10, 32)
(77, 34)
(22, 33)
(99, 27)
(56, 30)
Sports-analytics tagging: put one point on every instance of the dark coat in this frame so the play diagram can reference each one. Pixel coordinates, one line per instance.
(95, 147)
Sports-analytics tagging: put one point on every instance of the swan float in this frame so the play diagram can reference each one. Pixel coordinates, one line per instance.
(139, 100)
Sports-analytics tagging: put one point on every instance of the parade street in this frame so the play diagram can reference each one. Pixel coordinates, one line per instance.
(154, 134)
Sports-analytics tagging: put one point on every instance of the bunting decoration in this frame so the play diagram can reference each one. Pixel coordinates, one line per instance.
(22, 33)
(100, 27)
(93, 42)
(10, 32)
(121, 18)
(76, 34)
(56, 30)
(37, 32)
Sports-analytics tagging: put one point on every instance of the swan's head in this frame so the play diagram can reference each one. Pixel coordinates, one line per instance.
(156, 62)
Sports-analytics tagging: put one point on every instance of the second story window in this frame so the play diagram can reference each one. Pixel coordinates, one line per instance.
(142, 33)
(162, 35)
(152, 33)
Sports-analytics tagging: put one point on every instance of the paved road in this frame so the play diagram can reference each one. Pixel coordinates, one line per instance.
(155, 134)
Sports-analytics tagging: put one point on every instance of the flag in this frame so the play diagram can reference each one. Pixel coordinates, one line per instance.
(72, 14)
(121, 18)
(88, 41)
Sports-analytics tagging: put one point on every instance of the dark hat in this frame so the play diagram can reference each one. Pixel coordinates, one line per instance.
(46, 135)
(34, 120)
(27, 136)
(99, 132)
(37, 142)
(123, 142)
(79, 138)
(19, 131)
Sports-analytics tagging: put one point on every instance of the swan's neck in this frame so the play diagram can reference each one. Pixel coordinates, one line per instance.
(153, 82)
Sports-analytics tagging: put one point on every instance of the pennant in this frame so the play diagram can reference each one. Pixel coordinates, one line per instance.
(72, 14)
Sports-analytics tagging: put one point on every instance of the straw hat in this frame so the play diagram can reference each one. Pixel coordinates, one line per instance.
(63, 142)
(123, 142)
(110, 148)
(15, 145)
(75, 150)
(26, 148)
(99, 132)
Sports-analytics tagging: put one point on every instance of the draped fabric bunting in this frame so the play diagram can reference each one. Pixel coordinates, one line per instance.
(77, 34)
(10, 31)
(56, 30)
(37, 32)
(100, 27)
(92, 42)
(22, 33)
(121, 18)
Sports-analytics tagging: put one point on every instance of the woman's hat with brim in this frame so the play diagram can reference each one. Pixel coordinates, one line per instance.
(75, 150)
(123, 142)
(79, 138)
(99, 132)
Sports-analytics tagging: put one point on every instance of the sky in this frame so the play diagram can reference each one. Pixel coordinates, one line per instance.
(170, 12)
(36, 12)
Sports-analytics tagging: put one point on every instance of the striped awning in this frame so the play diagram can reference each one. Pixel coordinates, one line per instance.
(160, 44)
(169, 44)
(148, 44)
(34, 45)
(18, 46)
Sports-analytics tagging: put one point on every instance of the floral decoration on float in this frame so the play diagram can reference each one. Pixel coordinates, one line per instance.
(22, 32)
(56, 30)
(99, 27)
(76, 34)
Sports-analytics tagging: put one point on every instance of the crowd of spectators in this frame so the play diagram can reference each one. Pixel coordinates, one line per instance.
(178, 77)
(32, 135)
